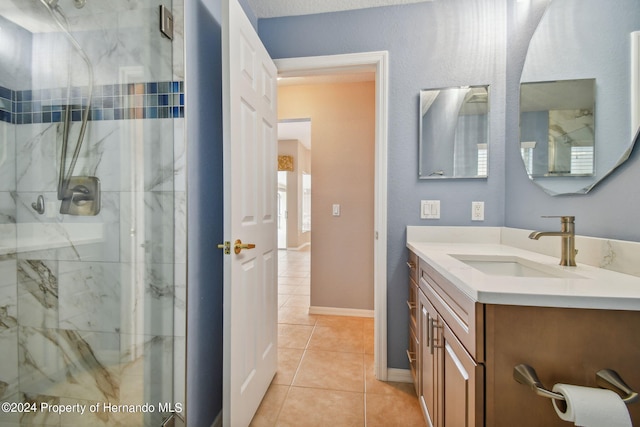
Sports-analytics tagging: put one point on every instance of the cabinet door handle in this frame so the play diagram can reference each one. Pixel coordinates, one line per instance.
(411, 265)
(425, 314)
(412, 305)
(434, 324)
(430, 322)
(412, 356)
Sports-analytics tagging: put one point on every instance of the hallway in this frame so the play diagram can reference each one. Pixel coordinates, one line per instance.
(325, 366)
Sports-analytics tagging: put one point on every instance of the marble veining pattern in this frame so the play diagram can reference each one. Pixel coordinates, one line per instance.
(40, 281)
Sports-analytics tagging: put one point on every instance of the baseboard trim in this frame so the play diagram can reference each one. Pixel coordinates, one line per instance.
(218, 421)
(336, 311)
(399, 375)
(299, 248)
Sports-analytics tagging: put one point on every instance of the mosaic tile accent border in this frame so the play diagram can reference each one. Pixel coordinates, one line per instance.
(154, 100)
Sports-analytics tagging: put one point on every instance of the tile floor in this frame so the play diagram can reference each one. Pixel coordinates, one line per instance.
(325, 368)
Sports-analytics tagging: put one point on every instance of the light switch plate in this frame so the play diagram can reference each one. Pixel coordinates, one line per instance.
(336, 210)
(430, 209)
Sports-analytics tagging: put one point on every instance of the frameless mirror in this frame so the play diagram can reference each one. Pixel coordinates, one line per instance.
(454, 132)
(593, 52)
(557, 128)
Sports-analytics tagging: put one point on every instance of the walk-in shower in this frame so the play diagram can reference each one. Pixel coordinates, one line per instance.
(92, 214)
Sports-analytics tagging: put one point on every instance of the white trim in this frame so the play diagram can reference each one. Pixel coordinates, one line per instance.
(349, 63)
(635, 82)
(399, 375)
(336, 311)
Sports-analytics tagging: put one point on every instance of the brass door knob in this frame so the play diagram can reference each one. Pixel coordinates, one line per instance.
(239, 246)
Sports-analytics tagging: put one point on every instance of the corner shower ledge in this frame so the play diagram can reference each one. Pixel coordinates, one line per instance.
(28, 237)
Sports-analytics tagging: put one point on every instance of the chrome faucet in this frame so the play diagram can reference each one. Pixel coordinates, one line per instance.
(568, 234)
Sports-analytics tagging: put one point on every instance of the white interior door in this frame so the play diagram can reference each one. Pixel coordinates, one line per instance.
(250, 192)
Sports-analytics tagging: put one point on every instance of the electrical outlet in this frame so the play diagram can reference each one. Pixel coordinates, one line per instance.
(477, 211)
(430, 209)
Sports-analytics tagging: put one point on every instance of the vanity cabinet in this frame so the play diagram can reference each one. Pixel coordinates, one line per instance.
(412, 303)
(451, 381)
(467, 352)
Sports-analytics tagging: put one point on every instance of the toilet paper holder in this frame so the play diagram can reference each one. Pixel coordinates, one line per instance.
(605, 378)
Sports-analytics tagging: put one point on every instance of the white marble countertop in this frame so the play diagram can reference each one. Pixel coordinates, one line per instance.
(587, 286)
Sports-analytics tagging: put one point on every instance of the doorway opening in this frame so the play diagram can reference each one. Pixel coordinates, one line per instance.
(377, 63)
(282, 210)
(294, 184)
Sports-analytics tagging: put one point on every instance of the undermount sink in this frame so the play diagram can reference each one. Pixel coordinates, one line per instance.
(498, 265)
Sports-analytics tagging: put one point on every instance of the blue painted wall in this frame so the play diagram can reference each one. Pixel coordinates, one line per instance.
(439, 44)
(430, 45)
(204, 204)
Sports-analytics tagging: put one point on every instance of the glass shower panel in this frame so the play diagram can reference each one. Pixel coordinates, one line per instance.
(92, 301)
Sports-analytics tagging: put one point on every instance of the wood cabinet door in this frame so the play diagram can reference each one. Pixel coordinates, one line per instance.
(462, 384)
(427, 360)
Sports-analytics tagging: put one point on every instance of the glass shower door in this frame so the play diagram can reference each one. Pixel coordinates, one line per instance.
(92, 301)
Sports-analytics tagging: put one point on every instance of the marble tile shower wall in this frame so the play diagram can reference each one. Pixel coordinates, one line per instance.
(85, 315)
(100, 318)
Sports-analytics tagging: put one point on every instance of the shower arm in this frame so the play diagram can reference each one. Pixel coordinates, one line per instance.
(63, 179)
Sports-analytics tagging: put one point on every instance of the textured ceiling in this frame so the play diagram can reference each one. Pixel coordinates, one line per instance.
(274, 8)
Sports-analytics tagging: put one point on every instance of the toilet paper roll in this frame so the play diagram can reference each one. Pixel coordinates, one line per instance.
(592, 407)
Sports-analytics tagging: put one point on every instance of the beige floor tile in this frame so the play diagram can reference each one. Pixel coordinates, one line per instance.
(393, 411)
(294, 336)
(331, 370)
(292, 281)
(369, 344)
(321, 408)
(302, 290)
(296, 316)
(298, 301)
(347, 338)
(288, 361)
(369, 336)
(269, 409)
(286, 289)
(282, 299)
(333, 380)
(299, 276)
(374, 386)
(341, 321)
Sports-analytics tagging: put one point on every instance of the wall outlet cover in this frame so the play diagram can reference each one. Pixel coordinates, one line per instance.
(477, 211)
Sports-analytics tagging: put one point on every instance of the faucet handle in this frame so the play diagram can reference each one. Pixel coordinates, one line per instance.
(563, 218)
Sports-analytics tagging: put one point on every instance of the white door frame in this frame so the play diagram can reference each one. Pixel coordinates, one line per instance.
(377, 62)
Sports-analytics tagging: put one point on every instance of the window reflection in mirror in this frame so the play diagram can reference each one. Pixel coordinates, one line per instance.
(454, 132)
(306, 202)
(557, 127)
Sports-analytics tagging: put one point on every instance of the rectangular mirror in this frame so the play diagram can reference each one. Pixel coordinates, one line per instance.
(454, 132)
(557, 127)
